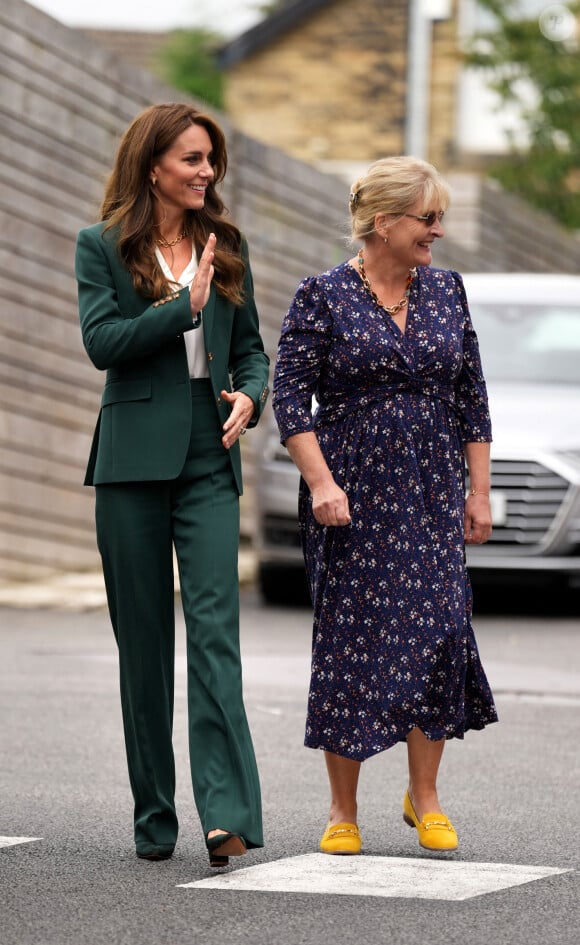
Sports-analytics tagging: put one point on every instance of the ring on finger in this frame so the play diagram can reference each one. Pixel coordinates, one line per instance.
(243, 430)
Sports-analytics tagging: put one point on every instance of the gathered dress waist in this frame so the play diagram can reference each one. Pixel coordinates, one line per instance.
(341, 406)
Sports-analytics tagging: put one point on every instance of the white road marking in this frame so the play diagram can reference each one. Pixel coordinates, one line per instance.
(268, 709)
(538, 698)
(396, 877)
(13, 841)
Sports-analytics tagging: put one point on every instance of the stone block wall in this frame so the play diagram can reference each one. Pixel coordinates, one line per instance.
(334, 87)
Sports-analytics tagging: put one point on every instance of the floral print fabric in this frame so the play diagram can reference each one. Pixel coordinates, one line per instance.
(393, 645)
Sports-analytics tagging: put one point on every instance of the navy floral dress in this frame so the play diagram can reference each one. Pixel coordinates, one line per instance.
(393, 645)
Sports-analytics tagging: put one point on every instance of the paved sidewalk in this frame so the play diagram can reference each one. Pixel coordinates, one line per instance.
(86, 590)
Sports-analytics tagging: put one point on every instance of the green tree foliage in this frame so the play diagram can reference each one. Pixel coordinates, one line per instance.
(188, 62)
(542, 77)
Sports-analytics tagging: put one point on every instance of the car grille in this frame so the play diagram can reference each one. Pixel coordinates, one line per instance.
(533, 495)
(532, 492)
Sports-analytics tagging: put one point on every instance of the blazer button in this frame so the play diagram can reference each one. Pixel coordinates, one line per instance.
(219, 400)
(209, 356)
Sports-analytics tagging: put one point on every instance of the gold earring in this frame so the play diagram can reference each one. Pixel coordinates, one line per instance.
(154, 181)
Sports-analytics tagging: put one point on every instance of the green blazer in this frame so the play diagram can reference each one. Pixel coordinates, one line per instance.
(144, 424)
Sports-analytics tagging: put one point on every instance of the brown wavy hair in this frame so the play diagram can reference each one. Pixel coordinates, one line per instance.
(129, 201)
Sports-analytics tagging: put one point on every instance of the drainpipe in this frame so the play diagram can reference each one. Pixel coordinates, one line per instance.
(422, 14)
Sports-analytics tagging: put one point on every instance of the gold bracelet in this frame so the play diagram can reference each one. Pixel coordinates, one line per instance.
(474, 492)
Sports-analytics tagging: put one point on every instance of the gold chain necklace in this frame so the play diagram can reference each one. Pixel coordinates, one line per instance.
(390, 309)
(163, 242)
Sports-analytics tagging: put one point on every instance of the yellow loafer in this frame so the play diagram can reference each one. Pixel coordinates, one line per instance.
(342, 839)
(436, 832)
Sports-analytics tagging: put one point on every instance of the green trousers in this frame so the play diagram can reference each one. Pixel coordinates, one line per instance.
(138, 524)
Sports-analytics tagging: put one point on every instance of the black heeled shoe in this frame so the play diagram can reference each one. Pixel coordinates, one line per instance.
(223, 845)
(154, 857)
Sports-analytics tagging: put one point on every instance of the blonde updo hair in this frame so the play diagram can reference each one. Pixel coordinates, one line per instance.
(393, 186)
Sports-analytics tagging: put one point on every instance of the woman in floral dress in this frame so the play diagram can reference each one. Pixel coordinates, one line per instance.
(386, 346)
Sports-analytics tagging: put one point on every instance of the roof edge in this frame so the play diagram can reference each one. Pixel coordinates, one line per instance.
(267, 30)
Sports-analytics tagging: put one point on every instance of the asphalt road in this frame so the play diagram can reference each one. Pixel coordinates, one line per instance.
(511, 791)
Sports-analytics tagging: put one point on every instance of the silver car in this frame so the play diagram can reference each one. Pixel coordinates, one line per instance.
(529, 334)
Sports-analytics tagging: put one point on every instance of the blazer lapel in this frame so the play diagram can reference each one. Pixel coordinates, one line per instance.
(207, 318)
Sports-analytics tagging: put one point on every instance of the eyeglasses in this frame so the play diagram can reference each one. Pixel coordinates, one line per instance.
(428, 218)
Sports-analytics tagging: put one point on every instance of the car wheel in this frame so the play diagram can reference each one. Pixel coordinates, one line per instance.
(280, 584)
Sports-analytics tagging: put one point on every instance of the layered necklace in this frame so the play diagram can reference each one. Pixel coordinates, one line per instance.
(163, 242)
(389, 309)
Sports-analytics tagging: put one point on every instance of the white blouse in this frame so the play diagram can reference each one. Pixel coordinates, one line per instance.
(196, 356)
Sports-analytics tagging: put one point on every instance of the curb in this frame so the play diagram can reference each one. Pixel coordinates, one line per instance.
(84, 590)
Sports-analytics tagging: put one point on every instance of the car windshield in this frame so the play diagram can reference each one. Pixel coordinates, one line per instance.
(536, 343)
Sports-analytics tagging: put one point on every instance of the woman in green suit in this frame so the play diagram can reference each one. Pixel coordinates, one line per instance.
(167, 309)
